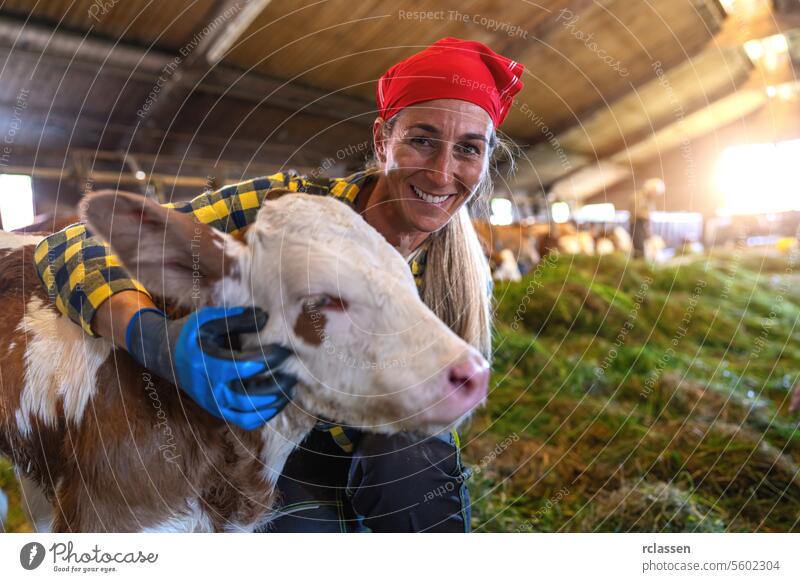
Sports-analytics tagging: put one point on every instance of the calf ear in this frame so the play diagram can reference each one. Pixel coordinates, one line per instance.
(172, 253)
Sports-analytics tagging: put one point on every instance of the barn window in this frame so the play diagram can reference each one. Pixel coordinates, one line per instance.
(502, 211)
(560, 212)
(759, 178)
(16, 201)
(603, 212)
(767, 50)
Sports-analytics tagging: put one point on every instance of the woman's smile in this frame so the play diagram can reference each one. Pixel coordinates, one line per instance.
(430, 198)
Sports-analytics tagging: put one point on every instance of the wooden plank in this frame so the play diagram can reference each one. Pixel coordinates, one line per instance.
(676, 93)
(596, 58)
(727, 110)
(92, 53)
(168, 25)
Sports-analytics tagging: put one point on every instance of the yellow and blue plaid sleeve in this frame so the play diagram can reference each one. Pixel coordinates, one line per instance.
(80, 272)
(233, 207)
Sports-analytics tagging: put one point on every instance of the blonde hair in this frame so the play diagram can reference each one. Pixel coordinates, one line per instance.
(457, 280)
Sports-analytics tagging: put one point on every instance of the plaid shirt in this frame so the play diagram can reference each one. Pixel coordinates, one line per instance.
(80, 271)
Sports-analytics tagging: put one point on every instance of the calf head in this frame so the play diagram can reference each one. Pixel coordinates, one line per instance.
(369, 353)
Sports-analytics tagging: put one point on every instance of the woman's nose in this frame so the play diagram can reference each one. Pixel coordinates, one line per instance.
(440, 171)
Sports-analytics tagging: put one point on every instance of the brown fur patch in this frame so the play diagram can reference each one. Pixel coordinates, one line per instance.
(38, 455)
(149, 449)
(310, 325)
(141, 450)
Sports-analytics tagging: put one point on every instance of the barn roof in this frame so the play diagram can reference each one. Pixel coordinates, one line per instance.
(265, 84)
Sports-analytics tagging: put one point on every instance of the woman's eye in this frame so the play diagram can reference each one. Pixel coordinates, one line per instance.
(468, 149)
(422, 141)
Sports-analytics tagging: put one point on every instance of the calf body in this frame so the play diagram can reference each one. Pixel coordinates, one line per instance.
(115, 448)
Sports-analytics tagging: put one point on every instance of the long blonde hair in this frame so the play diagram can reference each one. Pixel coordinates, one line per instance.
(457, 280)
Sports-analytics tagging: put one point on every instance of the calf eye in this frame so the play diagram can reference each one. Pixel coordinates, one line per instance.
(326, 302)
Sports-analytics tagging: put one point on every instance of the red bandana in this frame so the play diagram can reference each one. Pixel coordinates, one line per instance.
(452, 69)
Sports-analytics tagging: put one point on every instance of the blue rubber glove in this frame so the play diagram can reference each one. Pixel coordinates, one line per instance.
(200, 353)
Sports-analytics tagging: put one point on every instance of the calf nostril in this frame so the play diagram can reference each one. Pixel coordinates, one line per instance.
(458, 378)
(469, 376)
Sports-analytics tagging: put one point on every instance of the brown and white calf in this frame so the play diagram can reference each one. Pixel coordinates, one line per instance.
(114, 448)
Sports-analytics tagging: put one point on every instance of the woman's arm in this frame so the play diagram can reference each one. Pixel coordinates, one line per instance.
(111, 319)
(87, 282)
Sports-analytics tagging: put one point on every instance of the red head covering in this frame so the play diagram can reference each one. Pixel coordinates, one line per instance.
(452, 69)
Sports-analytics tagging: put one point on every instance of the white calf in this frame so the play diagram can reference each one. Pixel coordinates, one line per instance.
(116, 449)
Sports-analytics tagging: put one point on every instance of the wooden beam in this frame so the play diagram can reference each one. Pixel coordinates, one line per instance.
(188, 179)
(38, 119)
(756, 19)
(709, 11)
(589, 180)
(217, 45)
(517, 47)
(543, 164)
(58, 47)
(190, 69)
(679, 92)
(730, 109)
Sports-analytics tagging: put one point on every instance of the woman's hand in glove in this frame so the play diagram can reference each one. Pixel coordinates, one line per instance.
(200, 353)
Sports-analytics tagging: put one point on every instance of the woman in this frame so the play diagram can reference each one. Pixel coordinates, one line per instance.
(434, 140)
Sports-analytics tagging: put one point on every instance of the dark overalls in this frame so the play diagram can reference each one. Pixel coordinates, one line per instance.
(386, 484)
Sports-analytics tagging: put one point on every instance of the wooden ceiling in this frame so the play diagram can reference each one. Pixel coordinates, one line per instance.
(680, 91)
(340, 45)
(602, 76)
(579, 55)
(157, 23)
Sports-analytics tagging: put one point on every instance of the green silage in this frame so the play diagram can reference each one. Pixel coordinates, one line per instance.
(656, 396)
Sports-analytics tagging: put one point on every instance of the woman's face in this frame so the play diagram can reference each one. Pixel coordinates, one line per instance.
(433, 159)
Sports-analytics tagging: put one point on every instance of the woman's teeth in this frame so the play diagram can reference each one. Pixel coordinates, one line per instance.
(428, 197)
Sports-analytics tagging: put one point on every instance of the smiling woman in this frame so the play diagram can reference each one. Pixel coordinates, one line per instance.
(433, 159)
(435, 144)
(433, 156)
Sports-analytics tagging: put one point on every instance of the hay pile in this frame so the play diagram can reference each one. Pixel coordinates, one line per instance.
(643, 399)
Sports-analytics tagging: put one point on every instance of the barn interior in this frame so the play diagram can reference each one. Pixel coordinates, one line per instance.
(635, 389)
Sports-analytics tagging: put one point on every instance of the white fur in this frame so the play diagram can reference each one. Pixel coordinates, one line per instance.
(586, 241)
(61, 364)
(622, 240)
(653, 248)
(569, 244)
(604, 246)
(387, 346)
(194, 520)
(508, 270)
(280, 436)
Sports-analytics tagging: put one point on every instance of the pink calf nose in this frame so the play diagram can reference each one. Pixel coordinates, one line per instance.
(469, 378)
(463, 387)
